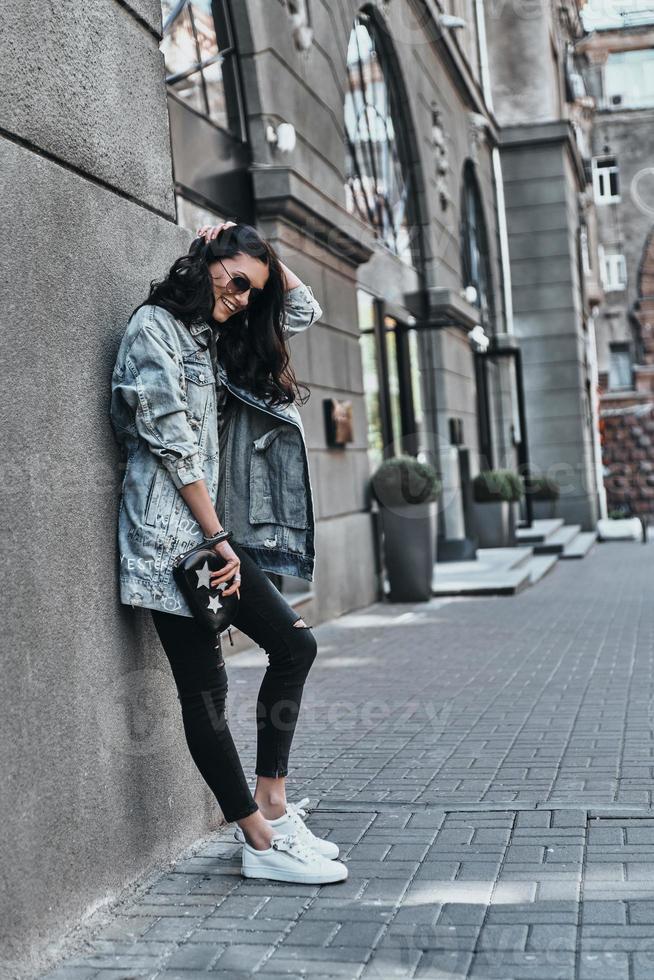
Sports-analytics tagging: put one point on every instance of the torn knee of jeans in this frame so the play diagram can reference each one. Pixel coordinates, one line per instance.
(300, 623)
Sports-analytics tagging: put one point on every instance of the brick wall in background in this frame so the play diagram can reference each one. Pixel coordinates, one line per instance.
(627, 430)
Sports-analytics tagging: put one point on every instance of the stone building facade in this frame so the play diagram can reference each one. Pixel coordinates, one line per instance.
(545, 116)
(620, 76)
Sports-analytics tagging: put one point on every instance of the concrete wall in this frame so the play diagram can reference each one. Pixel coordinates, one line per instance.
(541, 191)
(523, 68)
(98, 786)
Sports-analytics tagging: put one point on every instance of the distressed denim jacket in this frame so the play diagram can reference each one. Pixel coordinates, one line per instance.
(164, 415)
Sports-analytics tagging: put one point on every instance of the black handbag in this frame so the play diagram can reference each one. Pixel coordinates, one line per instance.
(191, 571)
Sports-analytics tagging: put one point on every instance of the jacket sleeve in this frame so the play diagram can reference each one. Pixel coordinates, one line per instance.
(152, 383)
(302, 309)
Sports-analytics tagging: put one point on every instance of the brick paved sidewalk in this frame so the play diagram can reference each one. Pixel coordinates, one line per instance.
(487, 768)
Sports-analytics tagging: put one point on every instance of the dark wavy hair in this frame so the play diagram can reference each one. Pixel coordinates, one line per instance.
(250, 344)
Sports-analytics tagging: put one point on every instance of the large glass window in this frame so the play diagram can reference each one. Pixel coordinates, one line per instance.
(620, 366)
(392, 383)
(377, 186)
(629, 79)
(475, 263)
(392, 355)
(371, 378)
(200, 66)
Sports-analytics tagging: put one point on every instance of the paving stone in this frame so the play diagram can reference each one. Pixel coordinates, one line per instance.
(605, 966)
(607, 912)
(312, 933)
(548, 937)
(238, 956)
(171, 929)
(194, 956)
(517, 965)
(503, 937)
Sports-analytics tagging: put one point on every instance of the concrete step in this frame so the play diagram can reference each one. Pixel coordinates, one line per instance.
(556, 543)
(503, 557)
(539, 531)
(539, 566)
(509, 582)
(580, 545)
(495, 571)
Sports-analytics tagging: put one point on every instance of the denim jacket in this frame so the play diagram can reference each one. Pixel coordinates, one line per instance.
(164, 415)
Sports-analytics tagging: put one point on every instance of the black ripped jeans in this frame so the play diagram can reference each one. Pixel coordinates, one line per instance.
(201, 678)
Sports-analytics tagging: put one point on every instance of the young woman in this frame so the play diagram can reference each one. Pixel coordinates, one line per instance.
(203, 401)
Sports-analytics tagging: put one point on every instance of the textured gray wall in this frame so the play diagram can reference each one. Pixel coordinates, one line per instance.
(523, 68)
(98, 786)
(541, 215)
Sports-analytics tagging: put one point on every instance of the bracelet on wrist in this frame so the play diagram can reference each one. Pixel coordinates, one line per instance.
(221, 535)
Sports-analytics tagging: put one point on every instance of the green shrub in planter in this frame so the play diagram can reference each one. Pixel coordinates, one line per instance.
(496, 494)
(544, 488)
(407, 491)
(404, 480)
(544, 494)
(491, 486)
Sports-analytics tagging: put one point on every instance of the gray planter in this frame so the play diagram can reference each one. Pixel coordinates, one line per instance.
(514, 520)
(544, 510)
(492, 524)
(410, 550)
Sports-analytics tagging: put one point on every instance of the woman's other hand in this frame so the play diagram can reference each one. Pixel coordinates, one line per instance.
(231, 569)
(209, 232)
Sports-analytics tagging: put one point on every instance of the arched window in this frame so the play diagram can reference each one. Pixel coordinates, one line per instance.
(377, 184)
(200, 58)
(475, 262)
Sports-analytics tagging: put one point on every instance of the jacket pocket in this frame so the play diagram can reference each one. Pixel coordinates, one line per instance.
(197, 371)
(153, 498)
(277, 487)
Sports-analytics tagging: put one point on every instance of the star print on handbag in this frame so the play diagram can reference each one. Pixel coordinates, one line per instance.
(192, 571)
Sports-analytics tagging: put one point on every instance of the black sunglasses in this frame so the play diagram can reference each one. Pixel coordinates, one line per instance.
(239, 284)
(236, 284)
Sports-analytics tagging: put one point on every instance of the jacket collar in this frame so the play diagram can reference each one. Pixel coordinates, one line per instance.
(200, 330)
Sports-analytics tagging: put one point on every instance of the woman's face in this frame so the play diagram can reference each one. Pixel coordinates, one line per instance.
(228, 303)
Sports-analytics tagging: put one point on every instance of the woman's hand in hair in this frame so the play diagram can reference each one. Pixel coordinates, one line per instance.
(209, 232)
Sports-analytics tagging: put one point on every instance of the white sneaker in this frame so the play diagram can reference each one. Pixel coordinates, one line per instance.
(291, 822)
(287, 859)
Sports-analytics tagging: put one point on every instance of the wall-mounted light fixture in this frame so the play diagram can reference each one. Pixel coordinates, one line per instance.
(339, 425)
(451, 23)
(470, 295)
(282, 136)
(478, 339)
(302, 30)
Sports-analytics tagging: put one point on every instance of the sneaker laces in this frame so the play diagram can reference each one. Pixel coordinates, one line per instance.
(298, 808)
(295, 812)
(294, 846)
